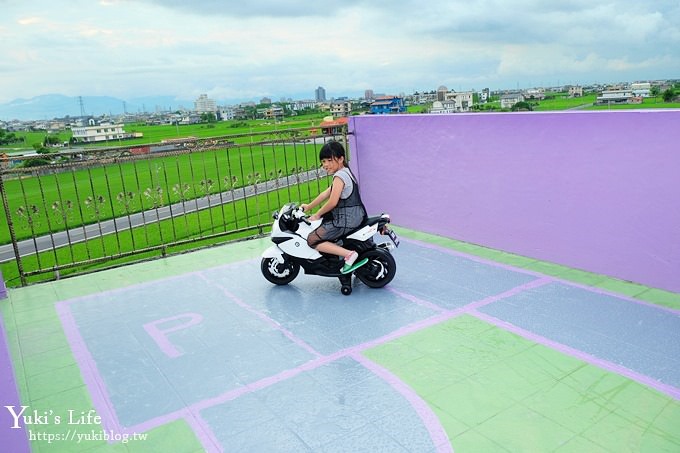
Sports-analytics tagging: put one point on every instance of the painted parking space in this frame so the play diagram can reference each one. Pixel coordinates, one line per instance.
(456, 348)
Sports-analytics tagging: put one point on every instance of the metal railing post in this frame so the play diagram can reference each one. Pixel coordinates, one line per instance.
(10, 225)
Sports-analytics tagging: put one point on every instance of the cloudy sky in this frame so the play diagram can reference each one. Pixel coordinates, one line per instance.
(247, 49)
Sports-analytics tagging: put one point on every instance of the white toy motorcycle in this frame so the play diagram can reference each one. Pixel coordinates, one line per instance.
(282, 261)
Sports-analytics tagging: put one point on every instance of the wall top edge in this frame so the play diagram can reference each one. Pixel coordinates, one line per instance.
(554, 112)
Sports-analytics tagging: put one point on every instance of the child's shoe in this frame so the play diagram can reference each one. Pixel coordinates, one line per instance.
(351, 263)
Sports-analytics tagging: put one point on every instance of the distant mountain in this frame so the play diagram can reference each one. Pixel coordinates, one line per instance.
(51, 106)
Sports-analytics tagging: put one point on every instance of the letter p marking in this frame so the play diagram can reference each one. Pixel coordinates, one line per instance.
(160, 336)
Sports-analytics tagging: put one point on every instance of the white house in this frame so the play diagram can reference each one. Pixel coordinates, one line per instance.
(462, 100)
(227, 113)
(341, 108)
(615, 97)
(101, 133)
(304, 104)
(443, 107)
(510, 99)
(534, 93)
(575, 91)
(641, 89)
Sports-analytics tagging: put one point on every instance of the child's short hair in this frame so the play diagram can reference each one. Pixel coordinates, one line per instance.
(332, 149)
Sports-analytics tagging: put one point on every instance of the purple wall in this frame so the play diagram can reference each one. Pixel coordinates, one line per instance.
(598, 191)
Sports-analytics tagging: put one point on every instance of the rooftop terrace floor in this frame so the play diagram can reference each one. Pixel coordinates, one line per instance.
(468, 349)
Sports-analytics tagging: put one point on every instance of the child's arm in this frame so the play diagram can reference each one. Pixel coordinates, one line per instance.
(317, 201)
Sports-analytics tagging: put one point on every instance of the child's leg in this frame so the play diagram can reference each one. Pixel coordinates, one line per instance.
(332, 249)
(350, 256)
(320, 238)
(316, 240)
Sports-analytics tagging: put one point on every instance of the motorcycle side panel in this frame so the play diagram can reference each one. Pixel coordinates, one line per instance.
(365, 233)
(298, 247)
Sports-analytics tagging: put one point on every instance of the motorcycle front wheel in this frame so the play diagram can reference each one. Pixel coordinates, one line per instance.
(379, 270)
(279, 273)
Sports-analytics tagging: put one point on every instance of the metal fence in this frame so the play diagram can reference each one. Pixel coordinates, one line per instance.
(82, 210)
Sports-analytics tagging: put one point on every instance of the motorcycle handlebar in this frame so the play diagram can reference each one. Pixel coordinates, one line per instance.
(298, 213)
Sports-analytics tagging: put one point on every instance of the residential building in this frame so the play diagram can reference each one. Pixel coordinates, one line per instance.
(575, 91)
(303, 104)
(101, 133)
(615, 97)
(537, 94)
(274, 112)
(641, 89)
(443, 107)
(388, 104)
(190, 118)
(510, 99)
(462, 101)
(423, 98)
(205, 105)
(227, 113)
(368, 95)
(240, 113)
(324, 106)
(341, 108)
(320, 94)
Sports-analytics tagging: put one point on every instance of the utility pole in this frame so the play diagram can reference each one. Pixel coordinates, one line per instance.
(82, 106)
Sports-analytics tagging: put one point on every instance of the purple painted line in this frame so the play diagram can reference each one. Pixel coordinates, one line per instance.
(437, 432)
(88, 368)
(415, 300)
(115, 291)
(288, 334)
(509, 293)
(316, 363)
(155, 422)
(102, 402)
(200, 428)
(268, 381)
(593, 289)
(14, 440)
(105, 408)
(262, 383)
(204, 433)
(669, 390)
(474, 258)
(192, 413)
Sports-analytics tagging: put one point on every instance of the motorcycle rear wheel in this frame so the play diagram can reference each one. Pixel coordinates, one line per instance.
(279, 273)
(379, 270)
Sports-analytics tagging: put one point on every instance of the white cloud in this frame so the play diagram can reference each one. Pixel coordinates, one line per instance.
(246, 50)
